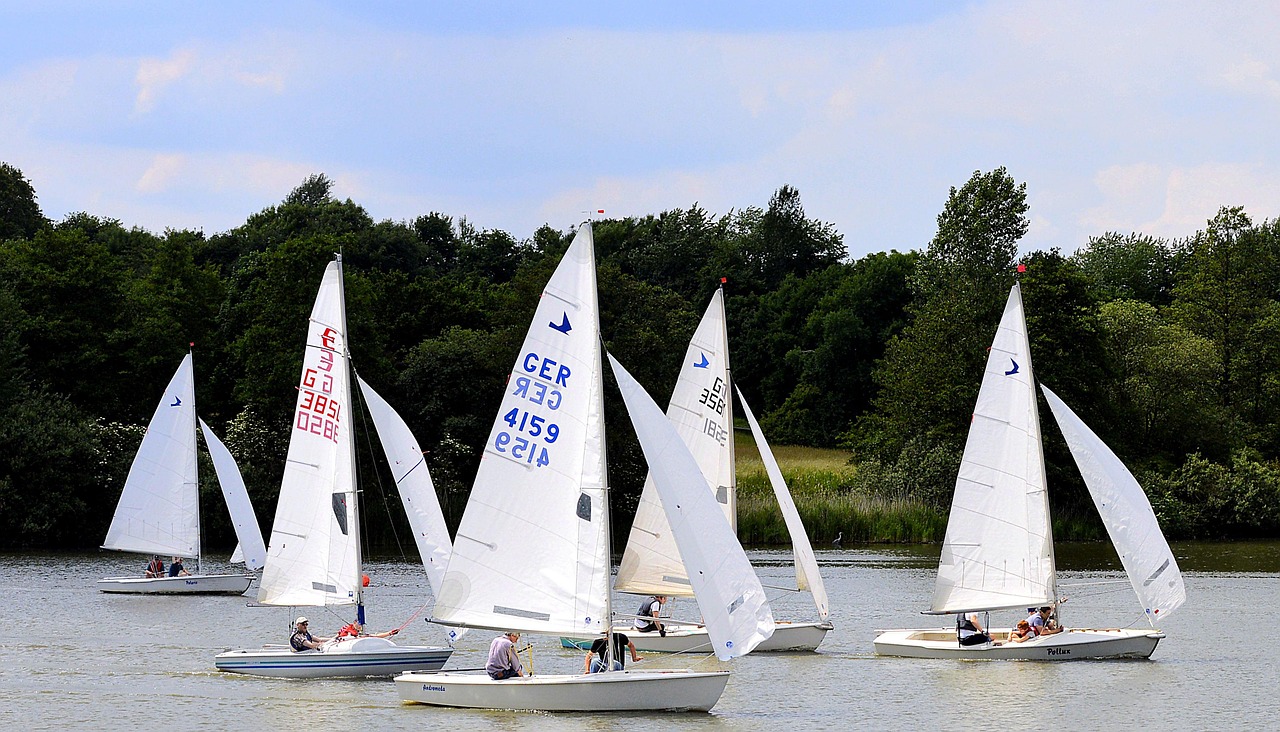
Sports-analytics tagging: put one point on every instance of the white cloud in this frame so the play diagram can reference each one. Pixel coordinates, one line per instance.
(155, 74)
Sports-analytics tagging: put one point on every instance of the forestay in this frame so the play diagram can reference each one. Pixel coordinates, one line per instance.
(313, 557)
(1127, 514)
(701, 409)
(251, 549)
(998, 551)
(807, 575)
(531, 553)
(159, 511)
(730, 596)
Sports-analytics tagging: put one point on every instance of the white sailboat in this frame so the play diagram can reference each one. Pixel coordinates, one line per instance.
(159, 508)
(701, 410)
(532, 552)
(998, 550)
(314, 555)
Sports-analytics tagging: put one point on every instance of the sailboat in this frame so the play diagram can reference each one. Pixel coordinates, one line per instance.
(159, 508)
(532, 551)
(701, 410)
(998, 550)
(314, 555)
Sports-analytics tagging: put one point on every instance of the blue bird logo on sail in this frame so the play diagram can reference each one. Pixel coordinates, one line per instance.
(1013, 370)
(177, 402)
(564, 326)
(704, 363)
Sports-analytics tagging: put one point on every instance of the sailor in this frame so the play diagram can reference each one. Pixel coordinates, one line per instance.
(971, 631)
(647, 622)
(302, 640)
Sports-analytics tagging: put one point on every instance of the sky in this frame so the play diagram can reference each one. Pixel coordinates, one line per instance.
(1118, 116)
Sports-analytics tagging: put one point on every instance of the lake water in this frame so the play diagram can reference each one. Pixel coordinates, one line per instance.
(78, 659)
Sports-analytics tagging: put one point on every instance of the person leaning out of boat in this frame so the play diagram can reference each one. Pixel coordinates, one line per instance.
(1042, 622)
(176, 569)
(503, 661)
(302, 640)
(647, 622)
(355, 629)
(970, 630)
(594, 662)
(155, 568)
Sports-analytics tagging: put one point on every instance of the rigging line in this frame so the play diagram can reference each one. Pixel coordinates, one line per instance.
(417, 612)
(364, 422)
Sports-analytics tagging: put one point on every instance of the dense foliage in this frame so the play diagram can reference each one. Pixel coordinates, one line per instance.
(1168, 349)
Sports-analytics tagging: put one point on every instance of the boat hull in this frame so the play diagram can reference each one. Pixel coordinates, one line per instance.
(196, 584)
(347, 659)
(786, 636)
(675, 691)
(1074, 644)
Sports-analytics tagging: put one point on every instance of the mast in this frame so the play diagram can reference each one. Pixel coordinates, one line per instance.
(728, 404)
(351, 446)
(195, 429)
(608, 531)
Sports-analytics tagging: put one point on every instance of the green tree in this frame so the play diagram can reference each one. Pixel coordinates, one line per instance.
(20, 215)
(1131, 267)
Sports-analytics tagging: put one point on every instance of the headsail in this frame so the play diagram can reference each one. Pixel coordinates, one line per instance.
(252, 549)
(807, 575)
(701, 409)
(730, 596)
(159, 509)
(998, 551)
(313, 555)
(413, 480)
(1127, 514)
(530, 553)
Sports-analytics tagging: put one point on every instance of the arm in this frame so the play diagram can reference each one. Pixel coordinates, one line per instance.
(632, 646)
(586, 663)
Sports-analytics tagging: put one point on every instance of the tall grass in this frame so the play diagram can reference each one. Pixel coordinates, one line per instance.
(822, 484)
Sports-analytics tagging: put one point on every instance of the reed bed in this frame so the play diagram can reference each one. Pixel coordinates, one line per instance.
(822, 483)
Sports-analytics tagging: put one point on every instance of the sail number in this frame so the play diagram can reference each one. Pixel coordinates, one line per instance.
(319, 413)
(714, 397)
(522, 449)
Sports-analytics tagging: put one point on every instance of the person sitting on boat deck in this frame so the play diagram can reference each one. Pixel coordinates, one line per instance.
(1022, 633)
(504, 663)
(302, 640)
(177, 570)
(647, 622)
(594, 662)
(155, 568)
(970, 630)
(355, 629)
(1042, 623)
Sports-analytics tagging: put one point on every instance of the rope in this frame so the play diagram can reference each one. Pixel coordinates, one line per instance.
(377, 474)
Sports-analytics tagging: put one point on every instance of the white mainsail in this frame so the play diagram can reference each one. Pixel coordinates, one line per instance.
(417, 492)
(313, 556)
(998, 550)
(701, 409)
(730, 596)
(243, 518)
(807, 575)
(1127, 514)
(531, 552)
(159, 509)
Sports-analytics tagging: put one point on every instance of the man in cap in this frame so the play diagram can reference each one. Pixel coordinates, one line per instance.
(302, 640)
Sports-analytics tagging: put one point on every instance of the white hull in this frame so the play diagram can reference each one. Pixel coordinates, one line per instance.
(786, 637)
(1071, 645)
(676, 691)
(196, 584)
(353, 659)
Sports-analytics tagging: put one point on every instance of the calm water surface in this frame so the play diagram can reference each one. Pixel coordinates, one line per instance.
(79, 659)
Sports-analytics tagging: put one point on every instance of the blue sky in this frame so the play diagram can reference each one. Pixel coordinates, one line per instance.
(1134, 116)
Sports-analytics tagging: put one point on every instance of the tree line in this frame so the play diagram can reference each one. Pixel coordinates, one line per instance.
(1167, 348)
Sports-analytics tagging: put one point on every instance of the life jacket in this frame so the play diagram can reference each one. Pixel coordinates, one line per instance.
(298, 640)
(964, 623)
(646, 609)
(348, 630)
